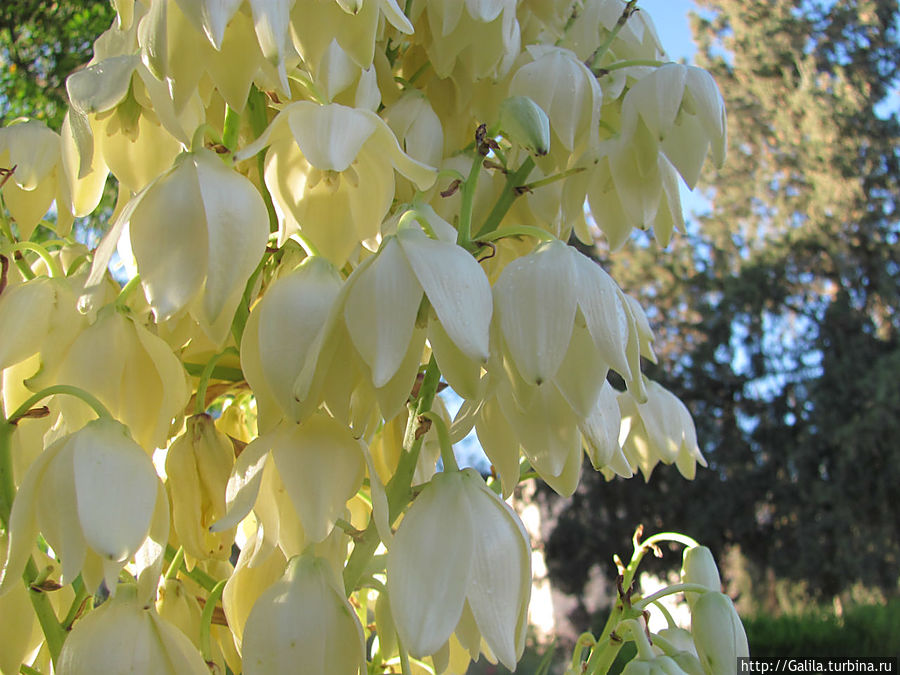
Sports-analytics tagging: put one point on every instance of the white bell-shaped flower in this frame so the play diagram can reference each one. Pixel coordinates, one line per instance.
(330, 170)
(658, 430)
(567, 91)
(310, 471)
(126, 636)
(133, 372)
(281, 333)
(459, 546)
(684, 112)
(197, 233)
(31, 151)
(304, 624)
(94, 495)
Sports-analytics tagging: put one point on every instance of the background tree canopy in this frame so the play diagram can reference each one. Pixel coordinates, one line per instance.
(41, 43)
(781, 311)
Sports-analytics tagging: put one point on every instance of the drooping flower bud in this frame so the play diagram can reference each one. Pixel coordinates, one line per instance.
(198, 464)
(718, 633)
(699, 567)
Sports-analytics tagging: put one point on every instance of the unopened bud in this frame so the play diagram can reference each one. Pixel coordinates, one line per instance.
(525, 122)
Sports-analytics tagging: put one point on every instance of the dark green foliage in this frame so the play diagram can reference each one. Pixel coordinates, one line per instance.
(41, 43)
(778, 316)
(863, 631)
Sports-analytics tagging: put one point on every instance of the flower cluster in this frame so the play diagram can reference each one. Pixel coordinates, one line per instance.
(328, 211)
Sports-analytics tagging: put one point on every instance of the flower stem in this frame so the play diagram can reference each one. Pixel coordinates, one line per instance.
(259, 120)
(447, 455)
(507, 197)
(669, 590)
(468, 199)
(175, 565)
(206, 620)
(200, 398)
(77, 392)
(54, 633)
(127, 290)
(52, 264)
(600, 52)
(518, 231)
(551, 179)
(231, 127)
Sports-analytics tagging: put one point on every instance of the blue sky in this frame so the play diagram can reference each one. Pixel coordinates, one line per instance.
(670, 18)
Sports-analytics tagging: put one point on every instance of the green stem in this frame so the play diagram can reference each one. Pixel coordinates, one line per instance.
(447, 455)
(404, 658)
(203, 384)
(645, 651)
(206, 620)
(399, 487)
(518, 231)
(227, 373)
(259, 120)
(199, 576)
(122, 299)
(28, 670)
(605, 70)
(51, 262)
(199, 139)
(175, 565)
(552, 179)
(507, 197)
(677, 537)
(468, 200)
(670, 621)
(77, 392)
(414, 214)
(600, 52)
(669, 590)
(306, 244)
(54, 633)
(81, 594)
(231, 128)
(78, 262)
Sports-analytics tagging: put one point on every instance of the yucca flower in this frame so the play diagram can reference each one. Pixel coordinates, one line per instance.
(460, 553)
(94, 495)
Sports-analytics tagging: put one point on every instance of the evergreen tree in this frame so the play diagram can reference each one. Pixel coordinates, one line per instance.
(782, 309)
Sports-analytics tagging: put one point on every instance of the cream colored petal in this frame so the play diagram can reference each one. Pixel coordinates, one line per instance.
(386, 143)
(302, 625)
(380, 311)
(269, 411)
(164, 375)
(456, 287)
(116, 486)
(246, 476)
(606, 318)
(58, 515)
(170, 240)
(395, 16)
(153, 38)
(434, 541)
(238, 229)
(271, 19)
(25, 319)
(292, 313)
(23, 524)
(601, 428)
(500, 445)
(103, 85)
(536, 304)
(330, 136)
(710, 110)
(392, 397)
(210, 16)
(85, 181)
(461, 372)
(500, 583)
(33, 150)
(582, 372)
(321, 466)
